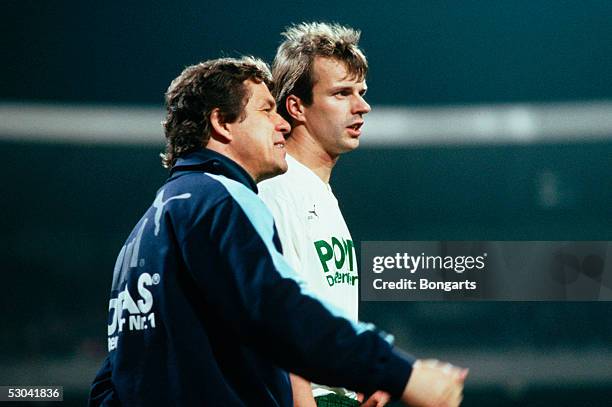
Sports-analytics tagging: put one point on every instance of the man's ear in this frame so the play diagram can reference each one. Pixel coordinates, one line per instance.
(220, 128)
(295, 107)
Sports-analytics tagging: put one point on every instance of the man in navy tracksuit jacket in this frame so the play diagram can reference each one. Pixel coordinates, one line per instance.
(203, 309)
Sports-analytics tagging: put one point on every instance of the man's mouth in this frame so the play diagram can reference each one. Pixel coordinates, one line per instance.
(355, 128)
(280, 145)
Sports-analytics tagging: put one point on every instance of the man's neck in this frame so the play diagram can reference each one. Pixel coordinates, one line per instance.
(227, 151)
(304, 148)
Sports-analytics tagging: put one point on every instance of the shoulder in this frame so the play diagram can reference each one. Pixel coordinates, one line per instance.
(210, 199)
(285, 187)
(279, 187)
(244, 197)
(199, 192)
(202, 188)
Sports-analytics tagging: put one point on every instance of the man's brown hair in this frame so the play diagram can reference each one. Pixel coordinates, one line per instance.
(292, 69)
(197, 91)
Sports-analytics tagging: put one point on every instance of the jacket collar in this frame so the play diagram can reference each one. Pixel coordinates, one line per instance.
(212, 162)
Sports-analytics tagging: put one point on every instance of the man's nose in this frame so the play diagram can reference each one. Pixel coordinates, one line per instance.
(361, 106)
(282, 125)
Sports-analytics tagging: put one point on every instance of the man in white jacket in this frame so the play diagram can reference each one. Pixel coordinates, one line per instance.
(319, 74)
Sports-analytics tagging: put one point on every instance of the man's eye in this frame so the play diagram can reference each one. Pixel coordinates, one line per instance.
(343, 93)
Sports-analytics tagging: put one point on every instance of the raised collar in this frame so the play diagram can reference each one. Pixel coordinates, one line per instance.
(212, 162)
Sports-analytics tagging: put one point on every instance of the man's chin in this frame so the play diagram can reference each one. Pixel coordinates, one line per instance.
(282, 168)
(350, 145)
(279, 170)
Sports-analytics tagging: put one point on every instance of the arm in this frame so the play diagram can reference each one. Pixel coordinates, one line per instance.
(102, 391)
(256, 298)
(302, 392)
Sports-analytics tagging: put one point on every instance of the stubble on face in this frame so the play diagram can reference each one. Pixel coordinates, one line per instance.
(259, 143)
(335, 116)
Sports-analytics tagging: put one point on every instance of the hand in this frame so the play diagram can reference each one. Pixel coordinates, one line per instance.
(378, 399)
(434, 384)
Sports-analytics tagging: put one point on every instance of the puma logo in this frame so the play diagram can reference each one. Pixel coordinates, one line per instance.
(313, 212)
(159, 204)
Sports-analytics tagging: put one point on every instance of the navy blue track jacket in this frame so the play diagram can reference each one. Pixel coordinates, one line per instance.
(204, 312)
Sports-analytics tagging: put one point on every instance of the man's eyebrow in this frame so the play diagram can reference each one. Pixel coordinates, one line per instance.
(360, 88)
(268, 103)
(343, 87)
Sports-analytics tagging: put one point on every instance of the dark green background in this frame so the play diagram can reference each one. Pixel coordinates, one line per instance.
(421, 52)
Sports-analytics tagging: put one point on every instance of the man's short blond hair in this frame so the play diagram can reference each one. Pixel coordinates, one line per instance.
(292, 69)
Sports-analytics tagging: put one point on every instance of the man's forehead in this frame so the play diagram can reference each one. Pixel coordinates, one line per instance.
(258, 92)
(334, 72)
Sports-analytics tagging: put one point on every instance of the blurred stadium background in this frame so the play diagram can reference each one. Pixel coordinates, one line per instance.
(491, 121)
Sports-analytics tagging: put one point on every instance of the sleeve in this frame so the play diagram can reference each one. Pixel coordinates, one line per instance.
(102, 391)
(250, 287)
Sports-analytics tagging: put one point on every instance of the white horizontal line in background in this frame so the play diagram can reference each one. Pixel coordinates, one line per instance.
(385, 126)
(83, 124)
